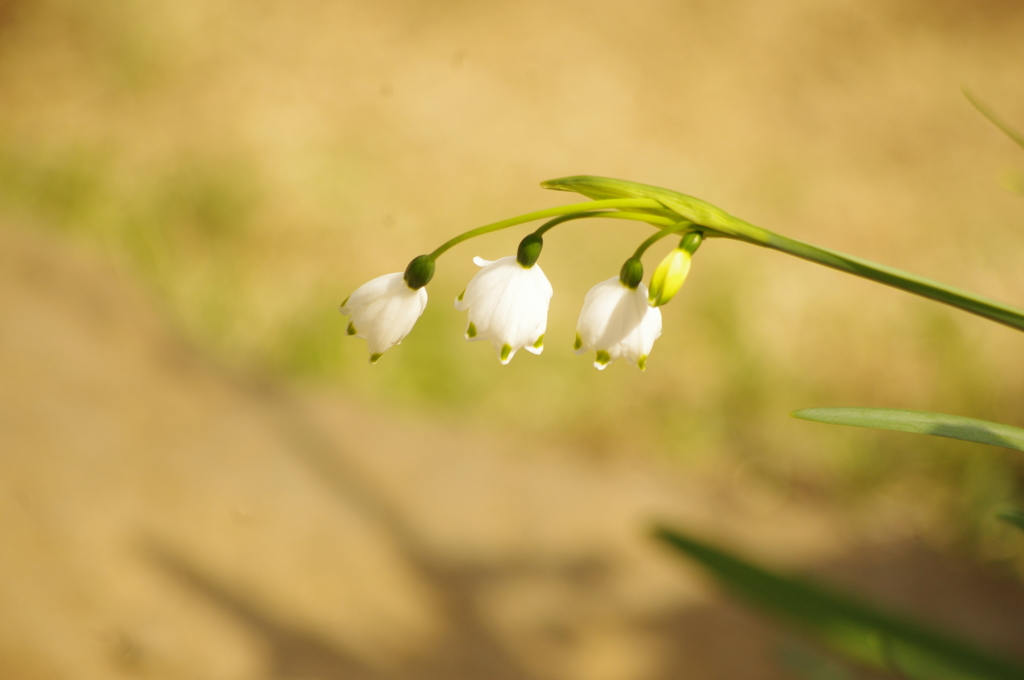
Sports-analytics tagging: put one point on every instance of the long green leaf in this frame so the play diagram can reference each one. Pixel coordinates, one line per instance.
(717, 222)
(919, 422)
(853, 628)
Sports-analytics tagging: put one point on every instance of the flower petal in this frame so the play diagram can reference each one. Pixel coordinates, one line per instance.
(508, 305)
(383, 311)
(617, 322)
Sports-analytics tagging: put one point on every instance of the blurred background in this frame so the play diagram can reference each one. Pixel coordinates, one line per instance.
(202, 477)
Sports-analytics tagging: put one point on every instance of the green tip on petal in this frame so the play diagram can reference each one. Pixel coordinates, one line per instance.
(578, 343)
(506, 350)
(642, 363)
(345, 301)
(602, 357)
(539, 343)
(375, 357)
(471, 330)
(351, 330)
(461, 295)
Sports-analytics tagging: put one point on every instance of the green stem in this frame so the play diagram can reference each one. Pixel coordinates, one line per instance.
(654, 220)
(715, 221)
(551, 224)
(675, 228)
(550, 212)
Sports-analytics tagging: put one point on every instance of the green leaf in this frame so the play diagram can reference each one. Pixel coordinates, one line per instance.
(920, 422)
(853, 628)
(1014, 516)
(717, 222)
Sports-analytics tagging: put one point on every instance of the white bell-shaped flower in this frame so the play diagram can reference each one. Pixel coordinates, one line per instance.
(508, 305)
(616, 321)
(383, 311)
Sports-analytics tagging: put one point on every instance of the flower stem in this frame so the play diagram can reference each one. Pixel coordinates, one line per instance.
(644, 203)
(674, 228)
(653, 220)
(552, 223)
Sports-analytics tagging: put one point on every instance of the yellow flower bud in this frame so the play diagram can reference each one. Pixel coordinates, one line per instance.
(668, 278)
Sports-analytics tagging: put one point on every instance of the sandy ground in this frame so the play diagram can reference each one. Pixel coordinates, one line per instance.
(164, 519)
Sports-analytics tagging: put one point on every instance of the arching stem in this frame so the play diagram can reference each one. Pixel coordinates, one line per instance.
(589, 206)
(674, 228)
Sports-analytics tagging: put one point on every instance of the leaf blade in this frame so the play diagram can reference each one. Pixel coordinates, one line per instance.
(919, 422)
(855, 629)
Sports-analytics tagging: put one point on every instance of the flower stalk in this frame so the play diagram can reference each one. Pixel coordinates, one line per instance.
(655, 208)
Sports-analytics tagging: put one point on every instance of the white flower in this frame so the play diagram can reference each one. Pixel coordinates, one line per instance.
(383, 311)
(508, 305)
(616, 321)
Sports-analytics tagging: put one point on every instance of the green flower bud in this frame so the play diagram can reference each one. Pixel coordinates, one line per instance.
(529, 250)
(632, 273)
(419, 272)
(668, 278)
